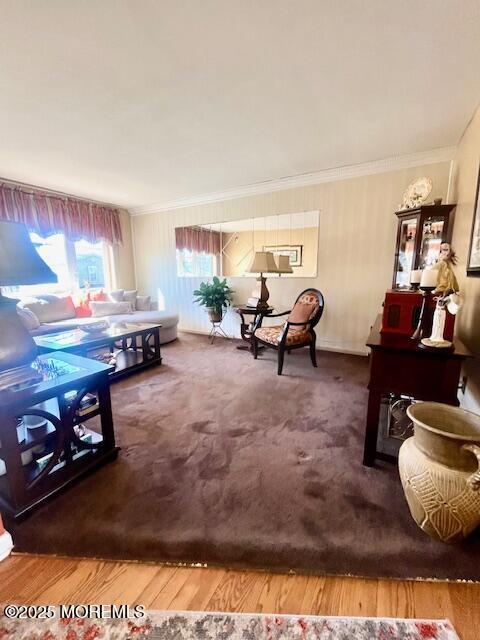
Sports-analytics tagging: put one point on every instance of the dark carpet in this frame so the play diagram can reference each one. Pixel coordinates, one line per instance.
(224, 462)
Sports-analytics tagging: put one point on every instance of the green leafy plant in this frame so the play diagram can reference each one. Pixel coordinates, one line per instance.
(215, 295)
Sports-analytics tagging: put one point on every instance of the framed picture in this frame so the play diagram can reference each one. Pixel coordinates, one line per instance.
(293, 251)
(473, 264)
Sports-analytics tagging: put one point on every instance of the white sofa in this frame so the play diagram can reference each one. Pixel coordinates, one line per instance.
(56, 313)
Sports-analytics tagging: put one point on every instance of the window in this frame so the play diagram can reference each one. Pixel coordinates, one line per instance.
(90, 261)
(196, 264)
(76, 264)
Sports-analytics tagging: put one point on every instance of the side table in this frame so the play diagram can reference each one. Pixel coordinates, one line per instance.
(399, 367)
(246, 328)
(39, 462)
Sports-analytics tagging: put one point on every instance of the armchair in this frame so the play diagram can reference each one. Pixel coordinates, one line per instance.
(296, 332)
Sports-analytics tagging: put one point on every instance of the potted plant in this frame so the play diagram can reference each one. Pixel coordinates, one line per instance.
(214, 296)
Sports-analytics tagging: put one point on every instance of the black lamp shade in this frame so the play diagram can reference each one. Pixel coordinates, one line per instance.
(19, 260)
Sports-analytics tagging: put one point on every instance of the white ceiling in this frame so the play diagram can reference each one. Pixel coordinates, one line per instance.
(142, 101)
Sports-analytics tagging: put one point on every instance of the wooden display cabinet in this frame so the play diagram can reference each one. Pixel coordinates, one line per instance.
(420, 233)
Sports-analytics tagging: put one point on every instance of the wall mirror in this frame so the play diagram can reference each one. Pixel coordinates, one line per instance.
(226, 248)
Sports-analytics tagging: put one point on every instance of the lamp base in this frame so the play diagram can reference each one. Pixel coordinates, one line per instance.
(262, 306)
(435, 344)
(17, 347)
(424, 320)
(262, 293)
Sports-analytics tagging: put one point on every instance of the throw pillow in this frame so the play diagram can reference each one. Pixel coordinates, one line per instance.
(130, 296)
(81, 300)
(50, 308)
(116, 295)
(301, 312)
(28, 319)
(143, 303)
(83, 310)
(101, 309)
(99, 296)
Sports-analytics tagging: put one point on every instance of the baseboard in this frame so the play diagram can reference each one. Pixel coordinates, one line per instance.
(321, 346)
(6, 545)
(351, 351)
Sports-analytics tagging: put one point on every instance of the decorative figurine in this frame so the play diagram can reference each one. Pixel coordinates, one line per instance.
(447, 288)
(447, 282)
(438, 327)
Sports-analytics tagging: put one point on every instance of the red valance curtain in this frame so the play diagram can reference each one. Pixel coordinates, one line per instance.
(47, 214)
(197, 239)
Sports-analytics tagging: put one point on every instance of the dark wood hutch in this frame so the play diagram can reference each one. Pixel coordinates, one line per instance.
(420, 233)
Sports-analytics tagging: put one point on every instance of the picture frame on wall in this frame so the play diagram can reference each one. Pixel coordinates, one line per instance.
(293, 251)
(473, 264)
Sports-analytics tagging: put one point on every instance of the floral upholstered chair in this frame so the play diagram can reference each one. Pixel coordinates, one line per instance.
(297, 331)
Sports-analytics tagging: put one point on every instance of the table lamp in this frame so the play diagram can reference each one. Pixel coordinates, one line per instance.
(283, 264)
(19, 264)
(262, 262)
(428, 283)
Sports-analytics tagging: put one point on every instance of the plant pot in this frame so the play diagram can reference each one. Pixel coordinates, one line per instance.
(214, 315)
(439, 470)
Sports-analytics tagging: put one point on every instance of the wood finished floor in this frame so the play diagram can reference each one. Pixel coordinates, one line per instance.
(49, 580)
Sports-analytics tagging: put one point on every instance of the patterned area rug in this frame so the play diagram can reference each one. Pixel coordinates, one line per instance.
(169, 625)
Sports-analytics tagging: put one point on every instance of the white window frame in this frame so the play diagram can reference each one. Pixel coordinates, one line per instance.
(71, 263)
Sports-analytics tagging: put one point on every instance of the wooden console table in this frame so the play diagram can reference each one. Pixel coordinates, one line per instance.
(36, 463)
(398, 365)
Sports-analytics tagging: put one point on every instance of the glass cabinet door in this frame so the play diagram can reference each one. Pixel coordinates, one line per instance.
(406, 253)
(432, 233)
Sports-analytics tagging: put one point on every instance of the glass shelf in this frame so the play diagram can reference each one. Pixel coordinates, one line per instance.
(406, 255)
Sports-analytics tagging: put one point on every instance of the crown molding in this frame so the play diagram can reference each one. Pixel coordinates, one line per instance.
(442, 154)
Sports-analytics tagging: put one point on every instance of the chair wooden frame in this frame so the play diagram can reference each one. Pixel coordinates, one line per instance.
(281, 347)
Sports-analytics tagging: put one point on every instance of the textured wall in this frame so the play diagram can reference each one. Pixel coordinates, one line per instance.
(465, 175)
(355, 256)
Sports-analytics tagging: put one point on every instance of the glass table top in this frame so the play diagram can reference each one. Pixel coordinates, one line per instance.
(79, 336)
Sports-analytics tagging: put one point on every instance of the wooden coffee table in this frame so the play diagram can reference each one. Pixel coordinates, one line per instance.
(133, 346)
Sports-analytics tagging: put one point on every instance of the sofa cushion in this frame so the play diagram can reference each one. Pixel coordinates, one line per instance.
(295, 335)
(50, 308)
(62, 325)
(165, 318)
(168, 320)
(143, 303)
(102, 309)
(131, 296)
(116, 295)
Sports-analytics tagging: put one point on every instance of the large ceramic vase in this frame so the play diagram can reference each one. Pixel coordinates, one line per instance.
(439, 469)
